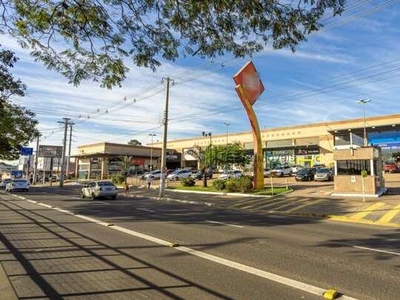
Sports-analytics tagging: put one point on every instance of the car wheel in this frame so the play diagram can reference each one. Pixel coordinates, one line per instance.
(83, 195)
(94, 196)
(114, 197)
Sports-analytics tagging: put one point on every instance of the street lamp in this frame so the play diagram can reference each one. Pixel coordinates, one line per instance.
(364, 101)
(227, 131)
(151, 151)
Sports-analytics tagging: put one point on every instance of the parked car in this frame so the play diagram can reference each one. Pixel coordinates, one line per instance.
(179, 174)
(267, 172)
(304, 174)
(99, 189)
(154, 174)
(282, 171)
(390, 167)
(4, 182)
(230, 174)
(296, 168)
(323, 174)
(199, 174)
(17, 185)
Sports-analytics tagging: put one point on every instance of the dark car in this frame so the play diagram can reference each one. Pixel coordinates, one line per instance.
(304, 174)
(199, 175)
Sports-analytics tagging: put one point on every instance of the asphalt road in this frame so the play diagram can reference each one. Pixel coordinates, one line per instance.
(236, 249)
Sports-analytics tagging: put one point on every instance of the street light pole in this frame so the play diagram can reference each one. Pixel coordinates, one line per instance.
(205, 135)
(227, 131)
(151, 151)
(364, 101)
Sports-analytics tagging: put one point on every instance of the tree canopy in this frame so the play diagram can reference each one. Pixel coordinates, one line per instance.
(134, 142)
(17, 124)
(91, 39)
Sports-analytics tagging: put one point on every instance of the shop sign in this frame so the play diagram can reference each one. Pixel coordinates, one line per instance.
(176, 157)
(137, 161)
(50, 151)
(306, 151)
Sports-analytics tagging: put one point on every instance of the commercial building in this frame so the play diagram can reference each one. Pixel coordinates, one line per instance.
(304, 145)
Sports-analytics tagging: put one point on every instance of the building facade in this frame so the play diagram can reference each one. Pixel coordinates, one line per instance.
(304, 145)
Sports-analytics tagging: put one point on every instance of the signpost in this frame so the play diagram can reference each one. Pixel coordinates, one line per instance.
(249, 87)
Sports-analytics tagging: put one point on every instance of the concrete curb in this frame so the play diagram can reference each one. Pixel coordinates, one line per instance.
(6, 289)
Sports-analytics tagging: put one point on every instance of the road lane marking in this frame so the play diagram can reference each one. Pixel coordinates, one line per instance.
(222, 223)
(377, 250)
(238, 266)
(366, 211)
(290, 204)
(304, 205)
(274, 202)
(389, 215)
(146, 209)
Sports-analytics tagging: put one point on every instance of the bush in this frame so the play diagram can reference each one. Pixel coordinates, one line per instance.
(118, 179)
(219, 184)
(242, 184)
(188, 182)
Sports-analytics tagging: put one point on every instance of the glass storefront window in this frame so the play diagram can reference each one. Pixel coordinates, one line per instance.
(353, 167)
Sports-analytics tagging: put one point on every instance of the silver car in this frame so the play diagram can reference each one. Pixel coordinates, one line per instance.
(4, 182)
(323, 174)
(17, 185)
(99, 189)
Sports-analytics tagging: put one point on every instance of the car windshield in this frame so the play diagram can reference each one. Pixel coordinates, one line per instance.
(20, 180)
(303, 171)
(105, 183)
(321, 170)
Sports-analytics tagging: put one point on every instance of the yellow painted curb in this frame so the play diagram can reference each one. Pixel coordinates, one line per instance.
(330, 294)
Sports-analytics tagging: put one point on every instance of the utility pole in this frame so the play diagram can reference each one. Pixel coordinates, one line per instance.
(69, 147)
(164, 143)
(36, 159)
(151, 151)
(66, 123)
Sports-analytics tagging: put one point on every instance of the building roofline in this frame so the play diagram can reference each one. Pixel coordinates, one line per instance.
(117, 145)
(327, 124)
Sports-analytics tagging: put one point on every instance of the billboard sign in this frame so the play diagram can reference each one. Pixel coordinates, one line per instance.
(50, 151)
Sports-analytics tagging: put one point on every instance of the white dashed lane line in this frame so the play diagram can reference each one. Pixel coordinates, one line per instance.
(222, 223)
(377, 250)
(145, 209)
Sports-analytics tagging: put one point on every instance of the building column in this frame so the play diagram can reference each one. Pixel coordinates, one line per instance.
(89, 169)
(104, 164)
(372, 167)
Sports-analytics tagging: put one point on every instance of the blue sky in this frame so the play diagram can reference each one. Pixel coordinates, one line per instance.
(356, 56)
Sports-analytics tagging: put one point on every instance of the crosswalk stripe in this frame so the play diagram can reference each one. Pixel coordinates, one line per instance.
(275, 202)
(254, 204)
(250, 203)
(386, 218)
(290, 204)
(366, 211)
(304, 205)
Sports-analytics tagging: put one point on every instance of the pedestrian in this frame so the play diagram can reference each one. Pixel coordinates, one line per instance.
(126, 189)
(149, 181)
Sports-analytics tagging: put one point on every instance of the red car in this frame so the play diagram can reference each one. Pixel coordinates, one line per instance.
(389, 167)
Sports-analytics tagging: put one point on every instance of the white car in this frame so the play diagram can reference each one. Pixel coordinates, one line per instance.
(4, 182)
(296, 168)
(282, 171)
(17, 185)
(98, 189)
(179, 174)
(230, 174)
(156, 174)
